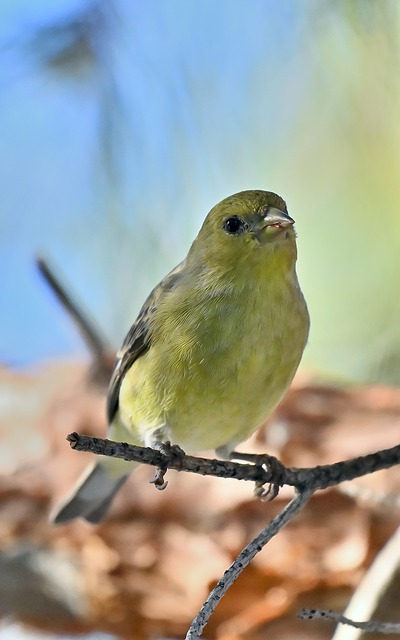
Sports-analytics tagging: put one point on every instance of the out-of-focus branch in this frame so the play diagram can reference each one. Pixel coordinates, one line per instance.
(377, 586)
(100, 350)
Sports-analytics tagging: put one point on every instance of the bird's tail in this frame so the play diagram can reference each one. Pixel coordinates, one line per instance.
(91, 496)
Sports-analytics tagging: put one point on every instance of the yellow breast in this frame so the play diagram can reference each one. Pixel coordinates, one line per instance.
(218, 362)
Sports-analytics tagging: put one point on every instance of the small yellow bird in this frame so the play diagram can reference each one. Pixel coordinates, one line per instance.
(214, 348)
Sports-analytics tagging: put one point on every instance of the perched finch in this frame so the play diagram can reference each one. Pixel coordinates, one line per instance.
(214, 348)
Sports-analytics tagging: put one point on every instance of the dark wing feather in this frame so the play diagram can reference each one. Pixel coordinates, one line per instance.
(138, 339)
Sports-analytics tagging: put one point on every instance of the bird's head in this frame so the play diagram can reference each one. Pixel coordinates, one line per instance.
(248, 229)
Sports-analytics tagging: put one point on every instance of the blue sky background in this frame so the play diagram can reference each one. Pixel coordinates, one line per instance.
(122, 123)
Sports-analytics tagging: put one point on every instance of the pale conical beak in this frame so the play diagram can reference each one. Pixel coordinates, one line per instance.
(277, 218)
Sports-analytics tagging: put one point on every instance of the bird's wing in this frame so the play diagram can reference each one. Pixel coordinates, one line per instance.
(138, 339)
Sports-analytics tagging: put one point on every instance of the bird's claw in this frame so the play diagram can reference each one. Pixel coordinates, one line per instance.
(270, 464)
(174, 453)
(277, 470)
(266, 493)
(159, 479)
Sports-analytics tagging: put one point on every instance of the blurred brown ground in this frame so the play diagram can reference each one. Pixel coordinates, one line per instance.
(145, 572)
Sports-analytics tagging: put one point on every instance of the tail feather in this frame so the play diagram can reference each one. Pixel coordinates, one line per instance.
(91, 497)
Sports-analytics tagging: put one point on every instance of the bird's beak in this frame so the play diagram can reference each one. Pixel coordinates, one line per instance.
(274, 224)
(277, 219)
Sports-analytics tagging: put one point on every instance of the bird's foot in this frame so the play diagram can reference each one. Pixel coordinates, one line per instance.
(173, 453)
(271, 464)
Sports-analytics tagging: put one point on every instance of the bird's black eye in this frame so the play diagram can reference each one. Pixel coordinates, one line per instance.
(234, 225)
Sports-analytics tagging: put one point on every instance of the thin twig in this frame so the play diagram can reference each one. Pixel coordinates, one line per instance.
(371, 626)
(375, 585)
(243, 560)
(319, 477)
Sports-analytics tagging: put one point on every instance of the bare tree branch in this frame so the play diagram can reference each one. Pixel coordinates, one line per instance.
(243, 560)
(263, 470)
(313, 478)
